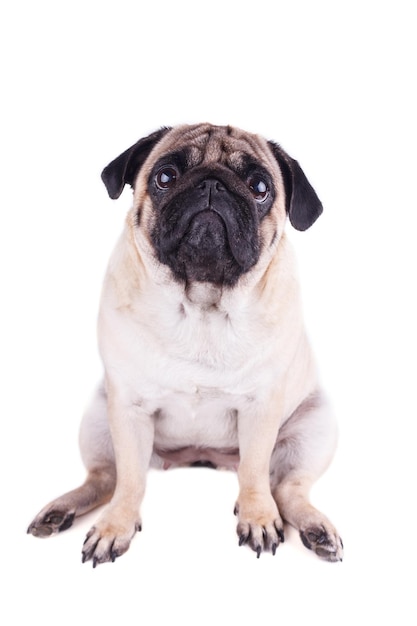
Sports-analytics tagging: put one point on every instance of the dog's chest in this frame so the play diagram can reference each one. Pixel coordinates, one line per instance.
(202, 368)
(207, 349)
(195, 361)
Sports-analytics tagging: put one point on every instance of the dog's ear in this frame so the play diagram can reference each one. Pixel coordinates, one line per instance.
(303, 205)
(124, 168)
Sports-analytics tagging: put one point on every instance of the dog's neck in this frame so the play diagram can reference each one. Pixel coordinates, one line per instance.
(204, 295)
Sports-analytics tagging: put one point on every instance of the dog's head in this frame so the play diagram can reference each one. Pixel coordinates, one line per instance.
(212, 200)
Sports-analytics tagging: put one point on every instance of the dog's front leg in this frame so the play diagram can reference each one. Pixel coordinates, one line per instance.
(260, 525)
(132, 432)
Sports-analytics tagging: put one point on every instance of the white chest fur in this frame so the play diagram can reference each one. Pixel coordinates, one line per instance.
(194, 366)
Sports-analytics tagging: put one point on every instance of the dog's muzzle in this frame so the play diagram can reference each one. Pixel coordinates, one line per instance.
(207, 233)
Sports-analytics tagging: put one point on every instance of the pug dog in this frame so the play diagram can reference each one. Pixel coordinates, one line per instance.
(206, 359)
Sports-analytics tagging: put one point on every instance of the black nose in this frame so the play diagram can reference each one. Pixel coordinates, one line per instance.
(211, 186)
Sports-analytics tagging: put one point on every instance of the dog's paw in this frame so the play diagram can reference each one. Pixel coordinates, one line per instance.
(108, 539)
(324, 541)
(50, 521)
(260, 525)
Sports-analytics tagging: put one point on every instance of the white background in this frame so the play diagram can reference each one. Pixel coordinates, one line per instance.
(334, 83)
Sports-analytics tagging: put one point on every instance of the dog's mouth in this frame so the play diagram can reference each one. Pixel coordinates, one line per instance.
(206, 233)
(204, 252)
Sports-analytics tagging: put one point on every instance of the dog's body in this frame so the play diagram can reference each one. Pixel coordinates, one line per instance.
(202, 339)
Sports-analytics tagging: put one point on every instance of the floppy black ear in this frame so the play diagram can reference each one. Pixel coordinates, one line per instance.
(303, 205)
(124, 168)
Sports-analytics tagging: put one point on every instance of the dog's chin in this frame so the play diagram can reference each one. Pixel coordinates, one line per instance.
(204, 254)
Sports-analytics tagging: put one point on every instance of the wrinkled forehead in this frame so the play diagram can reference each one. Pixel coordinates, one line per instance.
(204, 144)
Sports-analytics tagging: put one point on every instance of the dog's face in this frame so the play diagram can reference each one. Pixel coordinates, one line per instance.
(212, 201)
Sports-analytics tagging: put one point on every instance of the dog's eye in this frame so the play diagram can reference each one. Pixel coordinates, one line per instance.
(166, 177)
(258, 188)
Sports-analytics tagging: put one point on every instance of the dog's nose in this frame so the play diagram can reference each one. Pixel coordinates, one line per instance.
(211, 186)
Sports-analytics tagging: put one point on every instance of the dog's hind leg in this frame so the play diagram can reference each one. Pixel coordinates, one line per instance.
(304, 448)
(97, 454)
